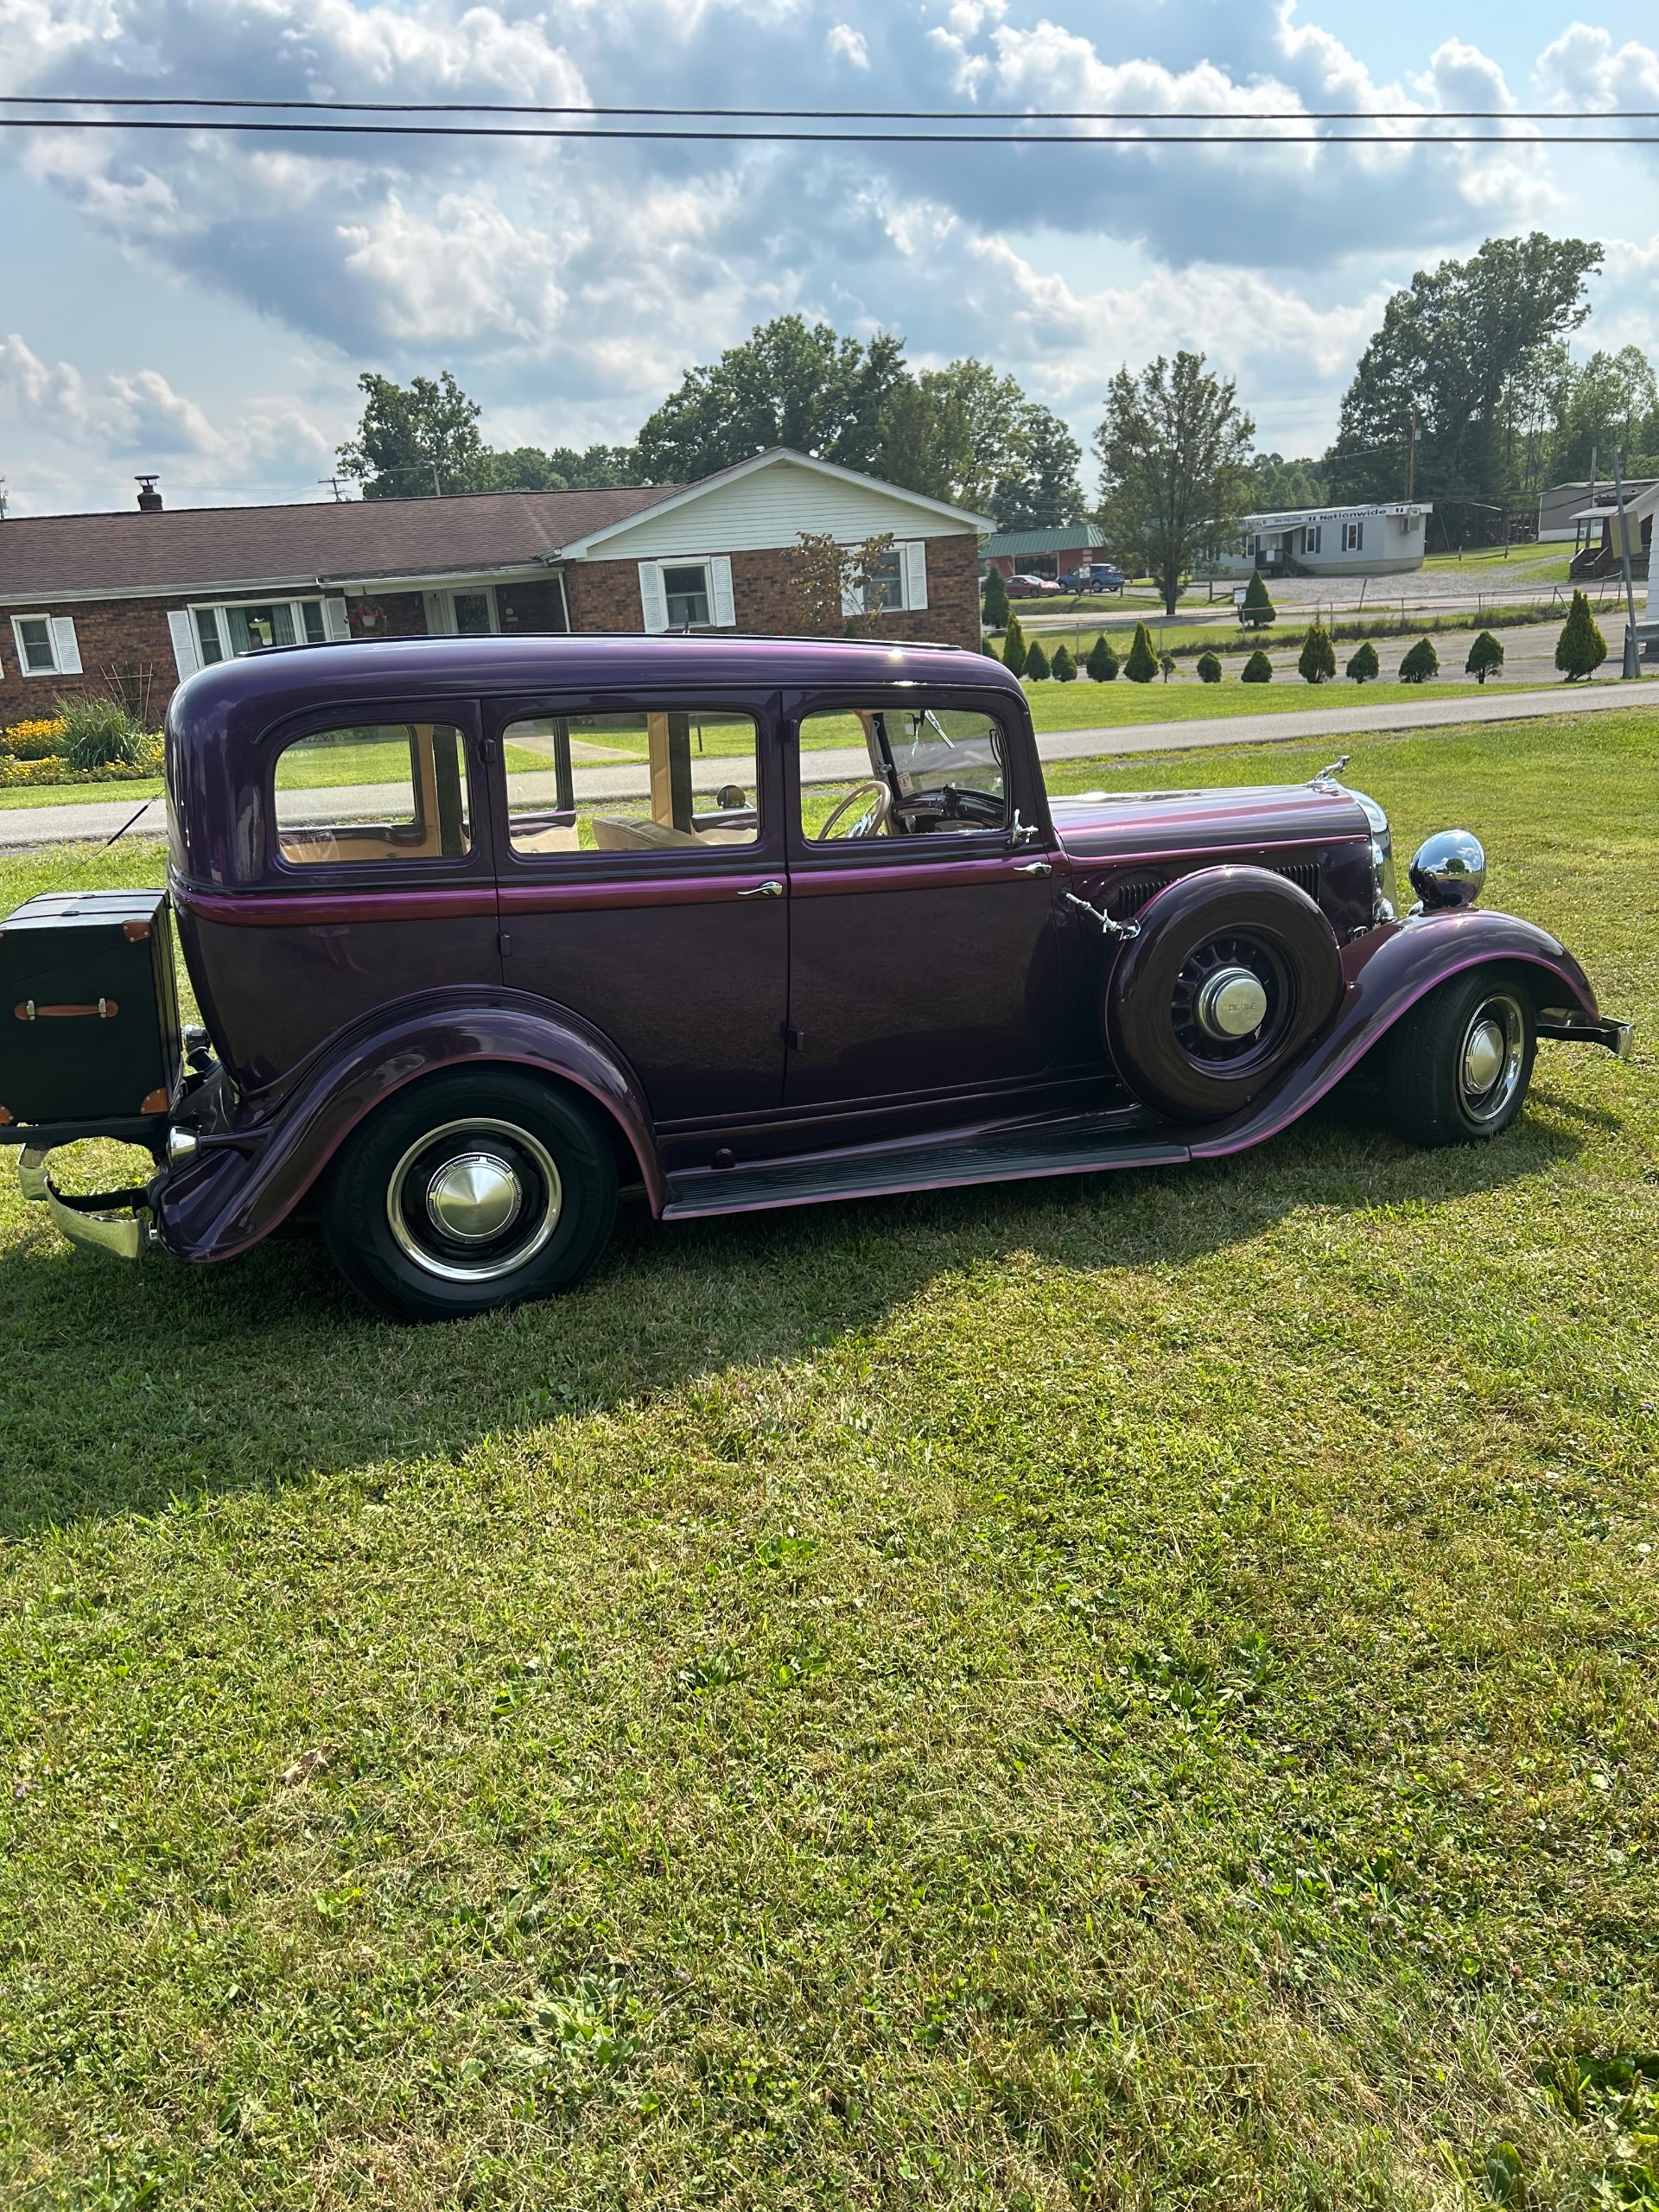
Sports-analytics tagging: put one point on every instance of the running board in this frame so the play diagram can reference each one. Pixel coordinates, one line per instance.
(1080, 1144)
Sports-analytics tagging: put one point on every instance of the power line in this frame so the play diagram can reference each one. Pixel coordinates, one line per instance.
(854, 114)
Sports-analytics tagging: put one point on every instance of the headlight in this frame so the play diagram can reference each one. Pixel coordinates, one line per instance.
(1449, 870)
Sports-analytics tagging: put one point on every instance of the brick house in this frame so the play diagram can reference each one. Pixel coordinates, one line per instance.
(136, 600)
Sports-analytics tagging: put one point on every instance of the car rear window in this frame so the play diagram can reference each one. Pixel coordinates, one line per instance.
(373, 792)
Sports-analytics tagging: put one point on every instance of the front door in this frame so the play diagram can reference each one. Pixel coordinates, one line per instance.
(643, 885)
(925, 967)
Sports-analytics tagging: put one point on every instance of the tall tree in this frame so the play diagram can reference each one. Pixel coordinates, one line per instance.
(1464, 345)
(1278, 486)
(414, 439)
(1174, 453)
(789, 384)
(971, 435)
(528, 468)
(1611, 400)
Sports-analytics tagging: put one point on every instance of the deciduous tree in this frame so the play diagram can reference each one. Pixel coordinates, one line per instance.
(789, 384)
(1174, 451)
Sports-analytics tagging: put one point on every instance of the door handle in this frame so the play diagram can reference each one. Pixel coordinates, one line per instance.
(772, 888)
(1035, 868)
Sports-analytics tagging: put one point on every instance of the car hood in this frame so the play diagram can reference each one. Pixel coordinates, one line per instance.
(1122, 826)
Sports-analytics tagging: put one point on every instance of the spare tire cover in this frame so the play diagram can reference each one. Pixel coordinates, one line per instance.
(1179, 1002)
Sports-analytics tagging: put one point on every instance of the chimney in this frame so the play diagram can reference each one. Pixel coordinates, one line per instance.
(150, 499)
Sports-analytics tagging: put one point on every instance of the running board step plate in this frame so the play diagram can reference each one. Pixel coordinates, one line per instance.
(1075, 1147)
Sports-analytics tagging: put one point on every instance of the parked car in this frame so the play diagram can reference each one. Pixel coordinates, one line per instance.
(1032, 588)
(481, 929)
(1102, 576)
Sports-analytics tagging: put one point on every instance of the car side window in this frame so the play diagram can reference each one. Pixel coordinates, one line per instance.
(662, 780)
(924, 771)
(373, 792)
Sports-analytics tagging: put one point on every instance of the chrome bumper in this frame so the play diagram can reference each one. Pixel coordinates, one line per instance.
(119, 1224)
(1572, 1026)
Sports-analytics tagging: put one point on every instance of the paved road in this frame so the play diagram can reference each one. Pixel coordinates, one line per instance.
(24, 827)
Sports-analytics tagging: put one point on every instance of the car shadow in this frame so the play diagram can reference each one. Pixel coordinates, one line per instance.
(126, 1388)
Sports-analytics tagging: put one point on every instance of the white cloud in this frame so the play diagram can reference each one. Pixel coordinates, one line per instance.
(845, 44)
(1582, 68)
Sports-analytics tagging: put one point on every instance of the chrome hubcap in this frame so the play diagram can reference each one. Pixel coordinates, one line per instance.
(1483, 1057)
(473, 1197)
(1490, 1063)
(1233, 1003)
(473, 1200)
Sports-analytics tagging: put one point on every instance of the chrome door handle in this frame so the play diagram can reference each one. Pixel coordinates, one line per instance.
(772, 888)
(1035, 868)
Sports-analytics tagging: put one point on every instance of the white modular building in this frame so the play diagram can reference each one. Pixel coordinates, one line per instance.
(1383, 540)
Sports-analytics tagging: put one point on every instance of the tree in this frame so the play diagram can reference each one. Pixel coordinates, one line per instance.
(1102, 663)
(528, 468)
(1064, 668)
(786, 384)
(827, 579)
(1209, 669)
(1421, 663)
(1365, 667)
(1258, 609)
(1485, 657)
(1174, 458)
(969, 435)
(1036, 661)
(1318, 658)
(996, 600)
(1141, 665)
(1258, 669)
(1013, 647)
(414, 439)
(1278, 486)
(1612, 400)
(1464, 344)
(1580, 649)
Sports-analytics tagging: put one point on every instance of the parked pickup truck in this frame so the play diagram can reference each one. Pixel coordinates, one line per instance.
(482, 929)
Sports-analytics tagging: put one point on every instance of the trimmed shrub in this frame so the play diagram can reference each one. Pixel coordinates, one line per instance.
(1422, 663)
(997, 600)
(1102, 663)
(1485, 657)
(1317, 660)
(1036, 663)
(1142, 664)
(1258, 669)
(100, 734)
(1013, 648)
(1065, 669)
(1209, 669)
(1258, 609)
(1580, 649)
(1365, 667)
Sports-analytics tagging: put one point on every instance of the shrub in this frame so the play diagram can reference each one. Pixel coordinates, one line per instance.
(1422, 663)
(1102, 663)
(1036, 663)
(997, 600)
(1580, 649)
(1065, 669)
(1166, 661)
(1485, 657)
(33, 740)
(1142, 664)
(1209, 669)
(1317, 660)
(1365, 667)
(100, 734)
(1258, 669)
(1258, 609)
(1013, 648)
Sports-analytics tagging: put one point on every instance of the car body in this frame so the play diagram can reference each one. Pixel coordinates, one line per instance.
(1020, 587)
(1102, 576)
(482, 928)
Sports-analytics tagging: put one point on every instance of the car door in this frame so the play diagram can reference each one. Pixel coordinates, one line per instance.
(642, 884)
(925, 964)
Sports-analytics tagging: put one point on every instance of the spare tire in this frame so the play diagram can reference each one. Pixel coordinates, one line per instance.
(1233, 971)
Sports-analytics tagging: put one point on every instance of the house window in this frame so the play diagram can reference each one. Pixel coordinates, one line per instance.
(1353, 537)
(886, 588)
(686, 591)
(682, 594)
(473, 614)
(223, 631)
(1311, 538)
(46, 645)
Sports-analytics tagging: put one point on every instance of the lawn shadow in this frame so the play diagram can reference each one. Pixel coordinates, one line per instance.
(125, 1387)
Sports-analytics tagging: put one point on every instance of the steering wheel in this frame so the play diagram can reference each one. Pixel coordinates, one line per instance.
(869, 825)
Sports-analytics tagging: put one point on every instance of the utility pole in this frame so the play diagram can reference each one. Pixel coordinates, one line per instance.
(334, 482)
(1629, 671)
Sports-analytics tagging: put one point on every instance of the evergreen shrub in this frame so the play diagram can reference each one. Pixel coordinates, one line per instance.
(1258, 609)
(1065, 669)
(1209, 669)
(1142, 664)
(1102, 663)
(1036, 663)
(1258, 669)
(1421, 663)
(1485, 657)
(1580, 649)
(1013, 648)
(1318, 658)
(1364, 666)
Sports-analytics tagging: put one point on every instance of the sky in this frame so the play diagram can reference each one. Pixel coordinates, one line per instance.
(202, 307)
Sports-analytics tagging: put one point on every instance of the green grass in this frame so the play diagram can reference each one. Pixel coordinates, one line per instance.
(1132, 1692)
(1110, 706)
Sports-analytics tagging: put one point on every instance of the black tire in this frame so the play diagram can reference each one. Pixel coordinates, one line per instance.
(1460, 1062)
(477, 1188)
(1217, 923)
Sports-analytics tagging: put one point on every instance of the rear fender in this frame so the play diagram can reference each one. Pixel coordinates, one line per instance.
(1385, 973)
(244, 1179)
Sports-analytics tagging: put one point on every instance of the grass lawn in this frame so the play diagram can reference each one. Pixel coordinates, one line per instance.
(1107, 706)
(1127, 1693)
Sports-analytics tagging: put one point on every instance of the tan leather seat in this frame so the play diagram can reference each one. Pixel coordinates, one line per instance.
(613, 835)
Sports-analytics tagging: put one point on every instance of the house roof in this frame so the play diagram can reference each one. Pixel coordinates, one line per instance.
(351, 541)
(1015, 544)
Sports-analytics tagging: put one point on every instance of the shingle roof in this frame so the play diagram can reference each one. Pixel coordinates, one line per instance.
(226, 548)
(1011, 544)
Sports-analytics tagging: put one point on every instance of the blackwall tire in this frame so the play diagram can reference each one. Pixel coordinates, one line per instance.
(475, 1188)
(1217, 924)
(1459, 1063)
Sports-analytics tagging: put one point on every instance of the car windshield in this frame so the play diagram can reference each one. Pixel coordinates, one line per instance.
(931, 749)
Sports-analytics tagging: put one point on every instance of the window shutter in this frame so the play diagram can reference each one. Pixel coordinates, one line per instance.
(437, 618)
(184, 641)
(334, 618)
(653, 600)
(852, 597)
(721, 606)
(65, 651)
(1359, 537)
(915, 574)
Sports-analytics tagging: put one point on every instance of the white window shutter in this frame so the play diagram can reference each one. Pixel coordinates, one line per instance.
(334, 618)
(852, 596)
(915, 554)
(65, 651)
(721, 605)
(438, 624)
(653, 600)
(183, 633)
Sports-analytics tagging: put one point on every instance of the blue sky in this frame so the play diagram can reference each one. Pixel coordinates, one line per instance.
(203, 308)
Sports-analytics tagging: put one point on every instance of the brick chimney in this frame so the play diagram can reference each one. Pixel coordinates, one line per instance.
(150, 499)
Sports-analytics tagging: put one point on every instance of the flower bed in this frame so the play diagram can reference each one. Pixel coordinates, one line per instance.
(29, 756)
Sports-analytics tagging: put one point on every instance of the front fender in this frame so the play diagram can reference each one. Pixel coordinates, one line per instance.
(1385, 973)
(246, 1178)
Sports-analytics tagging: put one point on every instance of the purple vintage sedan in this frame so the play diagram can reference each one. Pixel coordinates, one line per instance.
(481, 930)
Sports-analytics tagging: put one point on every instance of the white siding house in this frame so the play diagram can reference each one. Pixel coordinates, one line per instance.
(1383, 540)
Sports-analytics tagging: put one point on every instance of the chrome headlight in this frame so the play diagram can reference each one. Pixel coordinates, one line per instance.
(1450, 869)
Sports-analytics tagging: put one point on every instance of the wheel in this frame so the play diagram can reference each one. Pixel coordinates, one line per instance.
(1233, 971)
(1461, 1060)
(476, 1188)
